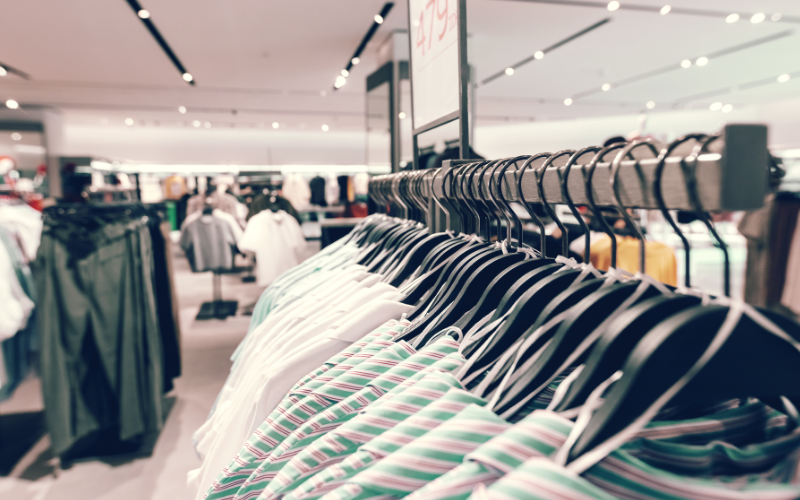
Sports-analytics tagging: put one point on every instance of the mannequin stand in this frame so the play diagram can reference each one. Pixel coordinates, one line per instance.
(218, 308)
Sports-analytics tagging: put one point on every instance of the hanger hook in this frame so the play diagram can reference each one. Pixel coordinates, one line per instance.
(552, 213)
(484, 224)
(568, 199)
(528, 207)
(659, 197)
(491, 209)
(615, 166)
(508, 212)
(598, 214)
(468, 200)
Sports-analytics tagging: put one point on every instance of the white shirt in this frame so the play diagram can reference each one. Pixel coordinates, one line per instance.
(276, 239)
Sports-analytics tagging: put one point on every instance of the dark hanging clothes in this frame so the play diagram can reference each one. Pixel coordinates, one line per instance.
(317, 186)
(343, 181)
(264, 202)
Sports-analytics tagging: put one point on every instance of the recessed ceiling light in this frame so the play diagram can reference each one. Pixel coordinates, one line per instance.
(758, 18)
(144, 14)
(612, 6)
(606, 87)
(538, 54)
(732, 18)
(784, 78)
(16, 136)
(686, 63)
(188, 77)
(776, 17)
(196, 124)
(568, 101)
(509, 71)
(207, 124)
(665, 10)
(129, 122)
(355, 60)
(727, 108)
(402, 115)
(3, 71)
(323, 93)
(325, 128)
(716, 106)
(345, 73)
(378, 19)
(650, 104)
(701, 61)
(182, 110)
(275, 124)
(12, 104)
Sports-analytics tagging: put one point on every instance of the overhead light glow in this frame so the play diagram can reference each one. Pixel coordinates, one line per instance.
(727, 108)
(12, 104)
(686, 63)
(606, 87)
(129, 122)
(568, 101)
(716, 106)
(402, 115)
(378, 19)
(144, 14)
(612, 6)
(701, 61)
(196, 124)
(16, 136)
(188, 77)
(340, 81)
(650, 104)
(3, 71)
(732, 18)
(776, 17)
(275, 125)
(758, 18)
(325, 128)
(665, 10)
(784, 78)
(355, 61)
(182, 110)
(509, 71)
(207, 124)
(538, 54)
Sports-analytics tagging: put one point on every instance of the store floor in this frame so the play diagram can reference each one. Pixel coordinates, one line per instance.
(206, 349)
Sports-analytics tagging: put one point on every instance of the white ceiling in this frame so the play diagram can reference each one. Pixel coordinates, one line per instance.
(270, 59)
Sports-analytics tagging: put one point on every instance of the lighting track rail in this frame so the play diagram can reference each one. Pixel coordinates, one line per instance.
(354, 59)
(6, 69)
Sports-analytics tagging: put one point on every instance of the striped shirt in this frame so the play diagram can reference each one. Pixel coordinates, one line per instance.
(413, 412)
(355, 395)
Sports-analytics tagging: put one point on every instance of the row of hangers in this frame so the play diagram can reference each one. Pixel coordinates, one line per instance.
(661, 347)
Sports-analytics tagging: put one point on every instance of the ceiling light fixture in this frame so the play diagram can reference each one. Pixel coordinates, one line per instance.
(650, 104)
(606, 87)
(182, 110)
(12, 104)
(727, 108)
(196, 123)
(509, 71)
(686, 63)
(715, 106)
(732, 18)
(378, 18)
(129, 122)
(345, 73)
(612, 6)
(16, 136)
(144, 14)
(325, 128)
(276, 125)
(701, 61)
(776, 17)
(402, 115)
(355, 60)
(568, 101)
(3, 71)
(340, 81)
(665, 10)
(758, 18)
(538, 54)
(187, 77)
(784, 78)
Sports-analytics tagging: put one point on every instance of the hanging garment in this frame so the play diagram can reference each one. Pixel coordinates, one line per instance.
(223, 201)
(17, 306)
(791, 289)
(228, 218)
(332, 190)
(296, 190)
(25, 224)
(273, 202)
(660, 261)
(174, 187)
(276, 239)
(209, 244)
(317, 186)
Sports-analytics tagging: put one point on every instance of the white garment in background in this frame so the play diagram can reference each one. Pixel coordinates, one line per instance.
(26, 223)
(361, 183)
(332, 190)
(276, 239)
(16, 306)
(230, 219)
(791, 289)
(296, 190)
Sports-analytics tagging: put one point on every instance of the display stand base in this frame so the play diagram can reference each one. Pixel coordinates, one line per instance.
(220, 309)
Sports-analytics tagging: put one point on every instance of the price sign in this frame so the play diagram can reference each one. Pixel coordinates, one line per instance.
(435, 63)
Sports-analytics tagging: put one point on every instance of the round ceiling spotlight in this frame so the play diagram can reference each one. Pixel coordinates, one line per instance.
(650, 104)
(758, 18)
(12, 104)
(182, 110)
(732, 18)
(276, 125)
(325, 128)
(129, 122)
(686, 63)
(606, 87)
(701, 61)
(784, 78)
(402, 115)
(538, 54)
(3, 71)
(378, 19)
(144, 14)
(196, 124)
(665, 10)
(187, 77)
(16, 136)
(509, 71)
(727, 108)
(345, 73)
(568, 101)
(716, 106)
(612, 6)
(355, 61)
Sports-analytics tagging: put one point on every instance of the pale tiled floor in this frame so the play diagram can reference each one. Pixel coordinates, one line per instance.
(206, 349)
